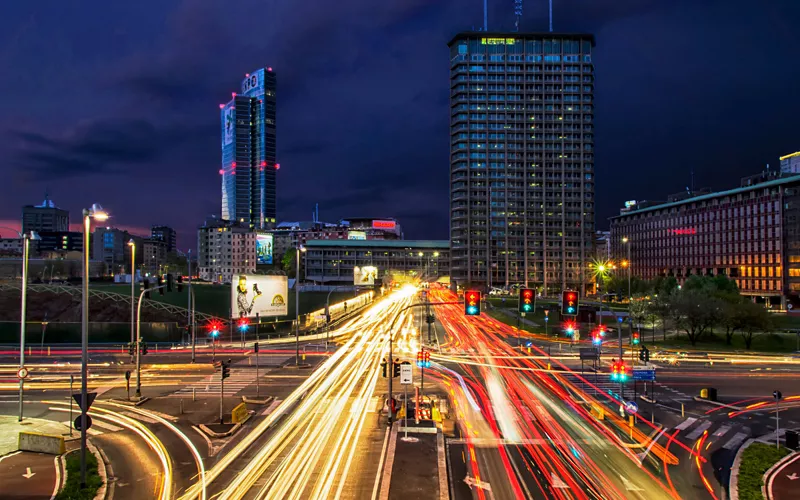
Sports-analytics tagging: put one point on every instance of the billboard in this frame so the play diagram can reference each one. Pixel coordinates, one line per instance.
(263, 248)
(253, 84)
(365, 276)
(253, 294)
(384, 224)
(228, 123)
(356, 235)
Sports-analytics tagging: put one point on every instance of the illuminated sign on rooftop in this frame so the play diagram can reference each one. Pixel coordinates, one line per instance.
(498, 41)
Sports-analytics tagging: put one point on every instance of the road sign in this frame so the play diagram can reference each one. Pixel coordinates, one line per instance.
(631, 407)
(89, 400)
(644, 374)
(589, 353)
(22, 373)
(77, 423)
(406, 376)
(777, 395)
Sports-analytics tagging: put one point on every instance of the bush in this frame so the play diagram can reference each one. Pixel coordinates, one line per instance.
(756, 460)
(72, 489)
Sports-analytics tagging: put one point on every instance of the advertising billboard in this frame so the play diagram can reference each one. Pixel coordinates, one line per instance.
(263, 248)
(253, 84)
(365, 276)
(384, 224)
(253, 294)
(356, 235)
(228, 123)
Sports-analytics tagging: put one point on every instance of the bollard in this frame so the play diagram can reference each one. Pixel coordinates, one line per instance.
(681, 410)
(48, 350)
(194, 398)
(250, 361)
(181, 408)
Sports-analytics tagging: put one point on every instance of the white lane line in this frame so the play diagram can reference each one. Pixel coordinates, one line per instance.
(735, 441)
(58, 478)
(722, 431)
(9, 455)
(686, 423)
(699, 430)
(106, 426)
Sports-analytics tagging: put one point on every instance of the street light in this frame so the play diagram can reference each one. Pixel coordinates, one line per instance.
(627, 264)
(132, 244)
(97, 213)
(23, 306)
(300, 249)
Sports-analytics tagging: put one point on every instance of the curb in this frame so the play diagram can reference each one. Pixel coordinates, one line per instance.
(217, 435)
(767, 479)
(268, 400)
(101, 471)
(717, 403)
(125, 402)
(63, 462)
(733, 482)
(647, 400)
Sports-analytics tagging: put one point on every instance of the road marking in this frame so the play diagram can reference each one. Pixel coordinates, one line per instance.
(94, 432)
(471, 481)
(557, 482)
(269, 409)
(28, 474)
(137, 416)
(722, 431)
(686, 423)
(629, 485)
(735, 441)
(792, 476)
(58, 478)
(9, 455)
(698, 431)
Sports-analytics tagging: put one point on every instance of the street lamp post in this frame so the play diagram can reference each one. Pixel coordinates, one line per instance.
(627, 243)
(299, 250)
(98, 214)
(132, 244)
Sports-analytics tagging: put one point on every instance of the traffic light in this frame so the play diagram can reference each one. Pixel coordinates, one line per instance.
(396, 368)
(384, 366)
(131, 349)
(614, 370)
(170, 282)
(526, 299)
(601, 330)
(597, 339)
(243, 325)
(426, 358)
(421, 358)
(635, 338)
(569, 328)
(213, 327)
(255, 347)
(180, 282)
(569, 303)
(644, 354)
(226, 369)
(144, 348)
(472, 303)
(160, 282)
(623, 372)
(146, 284)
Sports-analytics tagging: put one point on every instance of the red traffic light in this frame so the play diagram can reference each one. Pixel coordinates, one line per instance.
(472, 303)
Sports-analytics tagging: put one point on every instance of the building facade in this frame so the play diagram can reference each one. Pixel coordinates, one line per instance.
(154, 255)
(110, 245)
(11, 246)
(44, 217)
(333, 261)
(249, 161)
(288, 235)
(68, 241)
(165, 234)
(521, 159)
(750, 234)
(225, 249)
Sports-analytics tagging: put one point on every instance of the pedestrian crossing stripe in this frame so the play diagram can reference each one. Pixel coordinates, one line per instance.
(699, 430)
(210, 385)
(686, 424)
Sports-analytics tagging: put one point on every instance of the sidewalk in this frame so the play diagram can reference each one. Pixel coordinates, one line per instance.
(10, 429)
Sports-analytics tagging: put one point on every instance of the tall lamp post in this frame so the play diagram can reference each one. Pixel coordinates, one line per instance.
(26, 238)
(298, 252)
(97, 213)
(627, 243)
(132, 244)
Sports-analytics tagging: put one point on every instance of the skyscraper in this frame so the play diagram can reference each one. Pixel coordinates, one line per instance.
(44, 217)
(521, 159)
(248, 152)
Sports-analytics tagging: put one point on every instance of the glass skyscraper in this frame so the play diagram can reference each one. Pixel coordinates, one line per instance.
(521, 159)
(248, 152)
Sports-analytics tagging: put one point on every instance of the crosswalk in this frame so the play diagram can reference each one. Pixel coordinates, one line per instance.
(730, 434)
(210, 385)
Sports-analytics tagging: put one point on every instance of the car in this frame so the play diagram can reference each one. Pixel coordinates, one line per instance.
(497, 291)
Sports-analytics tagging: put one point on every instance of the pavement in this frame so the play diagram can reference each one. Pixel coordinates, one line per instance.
(10, 429)
(29, 476)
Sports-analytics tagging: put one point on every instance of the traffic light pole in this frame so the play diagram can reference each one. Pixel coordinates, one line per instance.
(390, 339)
(138, 393)
(221, 388)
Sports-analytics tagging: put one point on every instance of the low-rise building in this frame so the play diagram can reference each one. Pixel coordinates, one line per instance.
(750, 234)
(11, 246)
(69, 241)
(333, 261)
(225, 249)
(110, 245)
(154, 256)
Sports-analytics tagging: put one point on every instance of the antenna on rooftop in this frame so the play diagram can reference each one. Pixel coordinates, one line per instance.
(518, 13)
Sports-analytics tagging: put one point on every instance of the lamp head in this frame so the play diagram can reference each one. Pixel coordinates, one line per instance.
(98, 213)
(34, 236)
(131, 243)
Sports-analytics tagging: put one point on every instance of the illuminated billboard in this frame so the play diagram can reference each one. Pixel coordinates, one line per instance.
(256, 294)
(253, 83)
(356, 235)
(365, 276)
(228, 123)
(384, 224)
(263, 248)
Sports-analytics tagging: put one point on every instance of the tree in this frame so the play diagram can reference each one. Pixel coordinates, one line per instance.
(288, 264)
(694, 312)
(733, 318)
(639, 309)
(755, 320)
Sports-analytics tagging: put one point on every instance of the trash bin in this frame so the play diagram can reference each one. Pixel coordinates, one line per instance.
(792, 440)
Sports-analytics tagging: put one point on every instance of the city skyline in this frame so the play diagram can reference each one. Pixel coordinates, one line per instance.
(131, 122)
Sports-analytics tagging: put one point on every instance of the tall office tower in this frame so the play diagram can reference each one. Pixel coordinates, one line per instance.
(44, 217)
(249, 162)
(521, 159)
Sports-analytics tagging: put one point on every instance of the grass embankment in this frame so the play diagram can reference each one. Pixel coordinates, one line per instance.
(763, 342)
(72, 489)
(756, 460)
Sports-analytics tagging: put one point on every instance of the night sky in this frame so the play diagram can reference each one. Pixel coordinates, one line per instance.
(118, 102)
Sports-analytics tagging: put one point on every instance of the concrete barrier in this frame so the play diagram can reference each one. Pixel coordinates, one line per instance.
(41, 443)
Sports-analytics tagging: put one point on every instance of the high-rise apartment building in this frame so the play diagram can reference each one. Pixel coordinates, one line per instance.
(249, 161)
(521, 159)
(44, 217)
(165, 234)
(225, 248)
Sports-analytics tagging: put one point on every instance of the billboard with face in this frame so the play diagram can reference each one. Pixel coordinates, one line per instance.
(253, 294)
(263, 248)
(365, 276)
